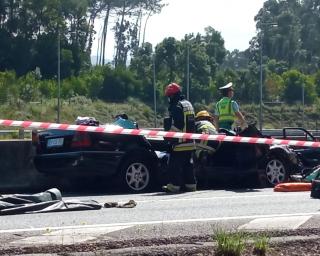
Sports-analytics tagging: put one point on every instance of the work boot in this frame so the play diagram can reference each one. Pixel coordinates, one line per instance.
(170, 188)
(190, 187)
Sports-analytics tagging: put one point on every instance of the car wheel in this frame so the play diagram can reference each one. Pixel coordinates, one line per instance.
(135, 175)
(276, 171)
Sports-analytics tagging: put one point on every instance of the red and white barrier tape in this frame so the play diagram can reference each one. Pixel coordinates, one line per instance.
(119, 130)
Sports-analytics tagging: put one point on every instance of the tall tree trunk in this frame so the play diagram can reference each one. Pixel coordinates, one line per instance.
(145, 26)
(139, 27)
(10, 20)
(90, 32)
(104, 35)
(118, 50)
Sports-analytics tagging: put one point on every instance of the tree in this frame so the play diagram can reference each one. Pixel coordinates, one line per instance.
(215, 48)
(166, 54)
(119, 84)
(142, 66)
(295, 83)
(274, 87)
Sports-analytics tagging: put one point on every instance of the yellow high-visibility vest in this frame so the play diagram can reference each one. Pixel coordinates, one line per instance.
(225, 110)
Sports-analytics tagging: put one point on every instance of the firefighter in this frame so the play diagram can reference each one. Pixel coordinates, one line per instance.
(181, 119)
(227, 110)
(204, 125)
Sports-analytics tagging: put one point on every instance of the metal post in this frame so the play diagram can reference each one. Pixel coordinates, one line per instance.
(58, 114)
(188, 72)
(302, 105)
(260, 102)
(154, 90)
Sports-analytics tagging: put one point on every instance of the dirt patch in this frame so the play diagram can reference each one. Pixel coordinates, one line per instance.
(300, 243)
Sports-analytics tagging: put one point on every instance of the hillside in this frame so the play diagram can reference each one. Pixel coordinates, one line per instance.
(273, 116)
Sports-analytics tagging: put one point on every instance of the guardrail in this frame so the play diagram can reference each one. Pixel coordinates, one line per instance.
(15, 134)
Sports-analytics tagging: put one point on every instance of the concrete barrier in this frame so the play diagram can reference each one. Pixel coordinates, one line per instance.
(17, 172)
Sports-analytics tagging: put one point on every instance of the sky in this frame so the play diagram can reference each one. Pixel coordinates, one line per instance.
(234, 19)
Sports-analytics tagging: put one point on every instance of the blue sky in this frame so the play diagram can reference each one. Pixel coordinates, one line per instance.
(234, 19)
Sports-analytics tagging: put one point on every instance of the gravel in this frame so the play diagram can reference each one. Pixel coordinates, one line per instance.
(300, 242)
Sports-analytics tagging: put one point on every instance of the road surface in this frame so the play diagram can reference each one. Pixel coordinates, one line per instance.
(163, 215)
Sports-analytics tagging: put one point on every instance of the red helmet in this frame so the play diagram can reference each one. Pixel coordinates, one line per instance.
(172, 89)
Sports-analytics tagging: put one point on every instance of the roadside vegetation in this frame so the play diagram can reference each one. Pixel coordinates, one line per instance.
(236, 243)
(230, 244)
(274, 117)
(261, 245)
(29, 87)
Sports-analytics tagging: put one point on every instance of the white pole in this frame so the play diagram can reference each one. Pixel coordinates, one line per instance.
(154, 90)
(58, 117)
(260, 102)
(302, 105)
(188, 72)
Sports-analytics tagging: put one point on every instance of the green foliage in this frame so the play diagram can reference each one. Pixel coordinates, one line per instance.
(30, 35)
(261, 245)
(230, 244)
(297, 84)
(119, 84)
(274, 87)
(288, 39)
(8, 88)
(317, 82)
(289, 33)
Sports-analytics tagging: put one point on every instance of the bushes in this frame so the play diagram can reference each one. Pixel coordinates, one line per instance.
(119, 84)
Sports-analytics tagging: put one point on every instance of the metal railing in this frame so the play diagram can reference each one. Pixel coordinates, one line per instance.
(21, 134)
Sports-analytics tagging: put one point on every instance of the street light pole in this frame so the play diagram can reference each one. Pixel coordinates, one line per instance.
(154, 89)
(188, 72)
(302, 105)
(58, 114)
(261, 79)
(260, 102)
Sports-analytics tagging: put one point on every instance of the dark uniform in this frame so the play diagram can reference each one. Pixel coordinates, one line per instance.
(181, 119)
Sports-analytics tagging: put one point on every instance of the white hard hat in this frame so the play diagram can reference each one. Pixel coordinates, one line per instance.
(227, 86)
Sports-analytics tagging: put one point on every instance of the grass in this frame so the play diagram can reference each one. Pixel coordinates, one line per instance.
(230, 244)
(261, 245)
(274, 117)
(46, 111)
(235, 243)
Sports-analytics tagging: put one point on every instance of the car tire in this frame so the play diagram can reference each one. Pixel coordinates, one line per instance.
(276, 170)
(135, 175)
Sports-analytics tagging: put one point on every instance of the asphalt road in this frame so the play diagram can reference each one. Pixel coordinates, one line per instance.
(159, 214)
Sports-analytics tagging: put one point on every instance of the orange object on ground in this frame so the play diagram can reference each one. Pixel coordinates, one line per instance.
(292, 187)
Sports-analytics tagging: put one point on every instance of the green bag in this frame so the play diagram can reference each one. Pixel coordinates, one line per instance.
(315, 187)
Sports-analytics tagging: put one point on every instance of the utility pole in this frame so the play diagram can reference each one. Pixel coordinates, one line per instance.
(260, 101)
(154, 89)
(58, 114)
(188, 72)
(302, 105)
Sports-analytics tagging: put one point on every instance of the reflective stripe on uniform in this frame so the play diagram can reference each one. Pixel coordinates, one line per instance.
(187, 111)
(184, 147)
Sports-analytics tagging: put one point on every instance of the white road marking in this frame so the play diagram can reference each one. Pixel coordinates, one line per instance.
(288, 222)
(69, 236)
(158, 222)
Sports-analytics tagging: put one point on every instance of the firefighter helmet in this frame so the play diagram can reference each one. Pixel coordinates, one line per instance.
(172, 89)
(203, 113)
